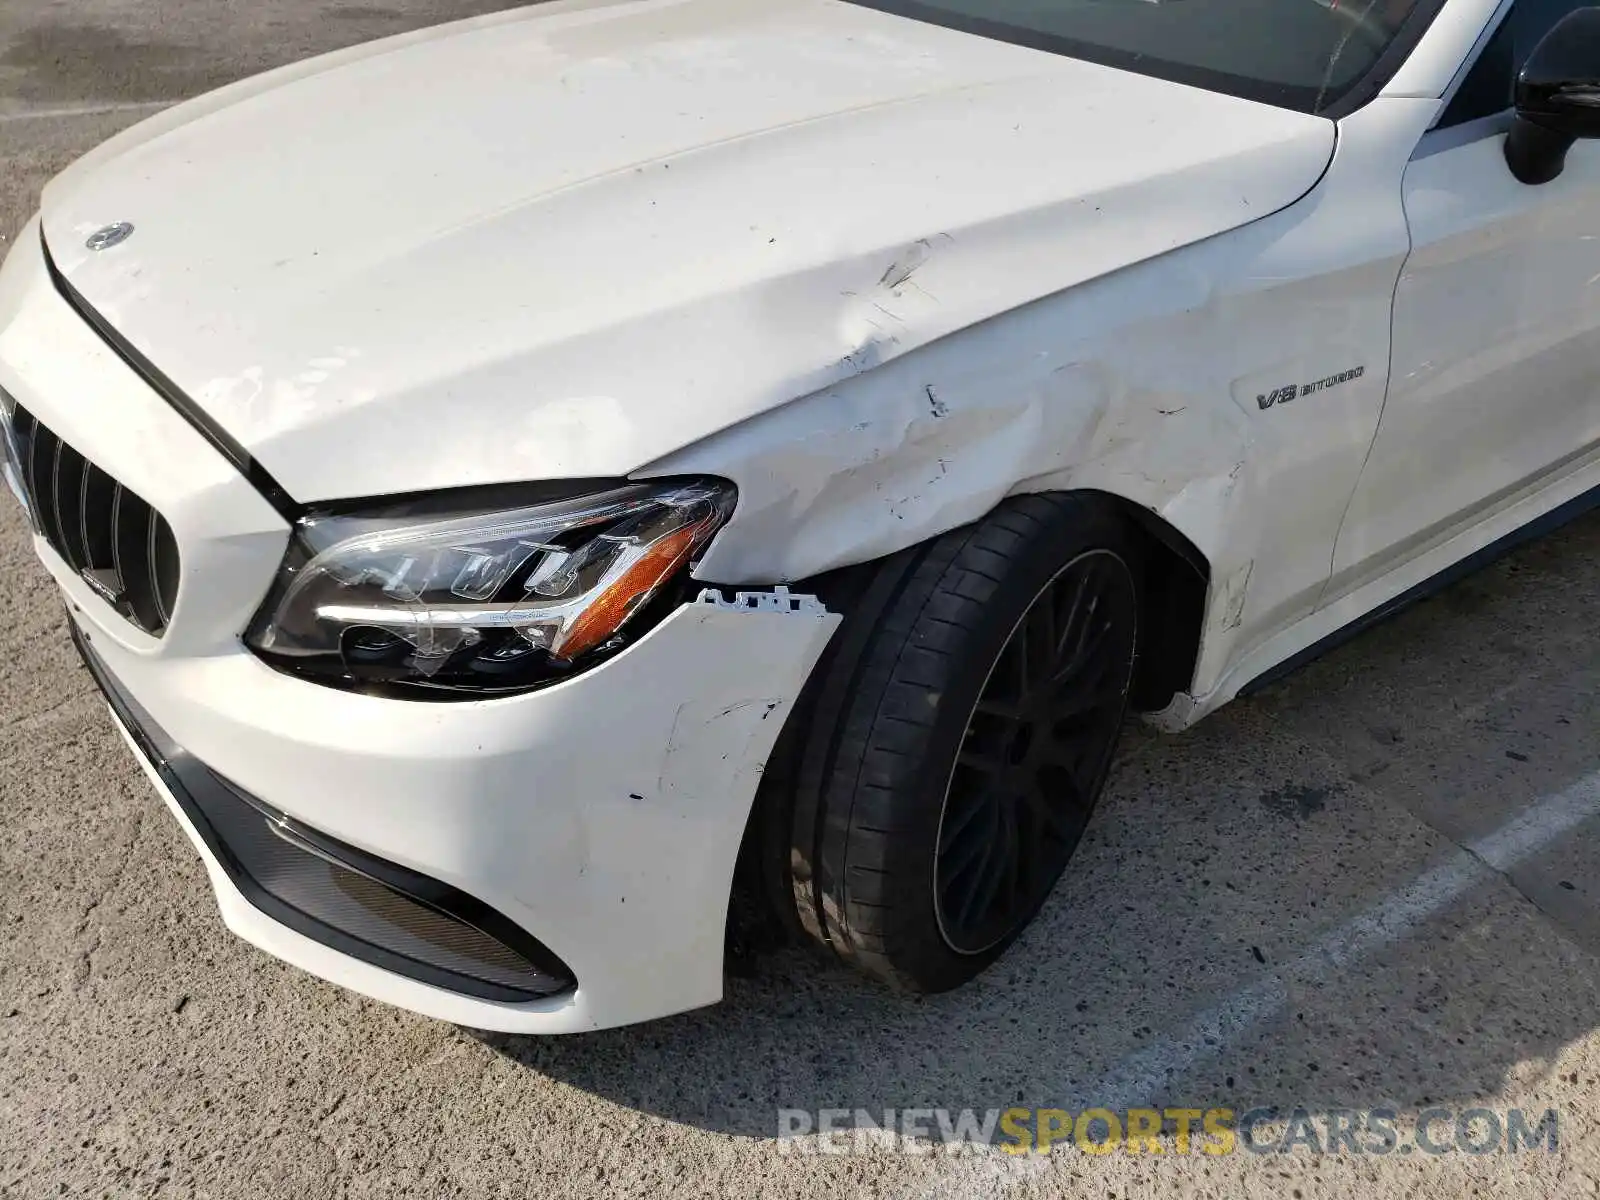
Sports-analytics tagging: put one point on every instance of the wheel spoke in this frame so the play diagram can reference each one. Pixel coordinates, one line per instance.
(1089, 641)
(1068, 755)
(1084, 641)
(975, 882)
(1044, 635)
(986, 763)
(1017, 862)
(953, 844)
(958, 859)
(1085, 598)
(1102, 691)
(1020, 650)
(990, 875)
(1006, 710)
(1047, 817)
(1020, 876)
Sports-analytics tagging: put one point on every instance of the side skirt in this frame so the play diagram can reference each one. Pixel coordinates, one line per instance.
(1560, 515)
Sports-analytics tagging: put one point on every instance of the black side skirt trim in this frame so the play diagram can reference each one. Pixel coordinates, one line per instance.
(1552, 520)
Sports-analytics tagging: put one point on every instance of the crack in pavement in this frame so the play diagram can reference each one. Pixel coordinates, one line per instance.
(46, 716)
(68, 111)
(83, 969)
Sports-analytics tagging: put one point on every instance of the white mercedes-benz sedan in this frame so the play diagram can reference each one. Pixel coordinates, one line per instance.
(556, 499)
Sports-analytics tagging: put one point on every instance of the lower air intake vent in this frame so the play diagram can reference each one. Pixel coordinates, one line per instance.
(334, 893)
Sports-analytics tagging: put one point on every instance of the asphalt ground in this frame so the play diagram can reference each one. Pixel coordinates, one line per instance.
(1374, 885)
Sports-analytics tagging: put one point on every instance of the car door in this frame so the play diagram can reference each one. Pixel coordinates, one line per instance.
(1495, 368)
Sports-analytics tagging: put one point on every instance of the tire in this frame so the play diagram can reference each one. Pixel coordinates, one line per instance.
(920, 757)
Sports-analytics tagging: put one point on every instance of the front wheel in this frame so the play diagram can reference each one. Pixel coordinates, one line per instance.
(961, 737)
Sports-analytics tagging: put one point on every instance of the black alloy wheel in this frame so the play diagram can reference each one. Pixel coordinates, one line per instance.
(1035, 753)
(951, 747)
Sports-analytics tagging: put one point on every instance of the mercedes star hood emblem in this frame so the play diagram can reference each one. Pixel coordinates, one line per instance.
(111, 235)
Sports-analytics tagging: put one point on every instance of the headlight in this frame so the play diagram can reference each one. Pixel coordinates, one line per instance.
(413, 593)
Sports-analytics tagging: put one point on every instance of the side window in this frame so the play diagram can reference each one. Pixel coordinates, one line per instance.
(1486, 90)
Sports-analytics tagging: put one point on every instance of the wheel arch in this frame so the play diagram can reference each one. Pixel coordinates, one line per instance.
(1175, 585)
(1173, 592)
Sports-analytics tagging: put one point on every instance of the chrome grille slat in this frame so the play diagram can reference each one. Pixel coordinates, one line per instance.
(151, 532)
(131, 536)
(116, 548)
(95, 497)
(37, 449)
(165, 565)
(83, 513)
(118, 543)
(70, 472)
(54, 507)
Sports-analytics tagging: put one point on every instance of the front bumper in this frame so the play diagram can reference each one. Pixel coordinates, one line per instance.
(335, 894)
(602, 815)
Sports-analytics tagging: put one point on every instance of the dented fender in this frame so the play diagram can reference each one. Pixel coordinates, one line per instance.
(1151, 383)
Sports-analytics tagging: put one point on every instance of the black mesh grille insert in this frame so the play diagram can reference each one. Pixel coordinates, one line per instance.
(117, 542)
(337, 894)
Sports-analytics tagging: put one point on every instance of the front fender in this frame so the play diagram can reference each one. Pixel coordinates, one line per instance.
(1148, 383)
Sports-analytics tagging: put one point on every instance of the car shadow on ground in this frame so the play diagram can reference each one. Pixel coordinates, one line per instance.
(1273, 909)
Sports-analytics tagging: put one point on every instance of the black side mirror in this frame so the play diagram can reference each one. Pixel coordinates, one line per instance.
(1557, 97)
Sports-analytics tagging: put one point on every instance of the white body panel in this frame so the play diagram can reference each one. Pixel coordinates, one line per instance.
(1143, 383)
(652, 221)
(880, 275)
(1496, 352)
(602, 814)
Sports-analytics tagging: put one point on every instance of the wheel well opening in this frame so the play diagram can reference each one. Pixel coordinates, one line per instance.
(1174, 585)
(1177, 577)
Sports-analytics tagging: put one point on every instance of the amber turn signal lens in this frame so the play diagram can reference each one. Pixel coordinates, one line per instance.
(605, 614)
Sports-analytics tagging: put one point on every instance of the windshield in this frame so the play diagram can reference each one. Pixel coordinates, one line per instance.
(1303, 54)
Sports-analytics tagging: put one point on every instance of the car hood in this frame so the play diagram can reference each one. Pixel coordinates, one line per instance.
(566, 241)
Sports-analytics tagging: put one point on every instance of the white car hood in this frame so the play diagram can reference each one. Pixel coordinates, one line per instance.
(566, 241)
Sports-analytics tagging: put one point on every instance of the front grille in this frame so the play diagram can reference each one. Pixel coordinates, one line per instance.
(334, 893)
(121, 546)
